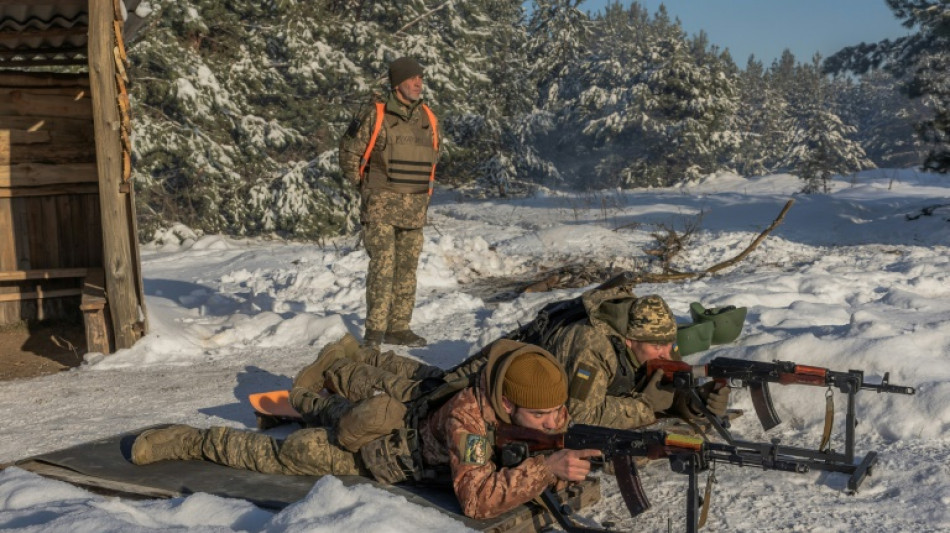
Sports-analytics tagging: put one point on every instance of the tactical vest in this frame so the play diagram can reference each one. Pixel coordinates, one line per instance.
(627, 379)
(407, 164)
(397, 457)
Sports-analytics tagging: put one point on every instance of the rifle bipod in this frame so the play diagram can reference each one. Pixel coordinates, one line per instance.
(691, 465)
(780, 457)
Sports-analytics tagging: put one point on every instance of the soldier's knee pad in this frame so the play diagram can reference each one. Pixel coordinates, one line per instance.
(393, 458)
(370, 419)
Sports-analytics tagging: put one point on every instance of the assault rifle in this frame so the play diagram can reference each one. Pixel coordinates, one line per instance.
(756, 376)
(687, 455)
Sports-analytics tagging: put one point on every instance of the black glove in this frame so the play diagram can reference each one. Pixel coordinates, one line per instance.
(657, 397)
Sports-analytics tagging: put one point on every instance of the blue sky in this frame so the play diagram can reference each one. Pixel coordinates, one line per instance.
(766, 27)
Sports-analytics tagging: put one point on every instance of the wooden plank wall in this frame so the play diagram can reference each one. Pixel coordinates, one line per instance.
(49, 195)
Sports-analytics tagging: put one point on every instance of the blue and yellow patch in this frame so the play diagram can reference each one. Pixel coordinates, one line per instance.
(473, 449)
(581, 382)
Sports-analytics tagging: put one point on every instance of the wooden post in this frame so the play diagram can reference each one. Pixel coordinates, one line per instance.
(95, 312)
(116, 238)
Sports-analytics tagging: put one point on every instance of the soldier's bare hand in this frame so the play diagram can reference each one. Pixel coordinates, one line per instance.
(570, 465)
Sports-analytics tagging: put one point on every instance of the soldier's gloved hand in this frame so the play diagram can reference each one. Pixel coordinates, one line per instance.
(658, 397)
(718, 400)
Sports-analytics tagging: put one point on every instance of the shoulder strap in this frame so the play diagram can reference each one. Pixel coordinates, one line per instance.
(549, 320)
(380, 113)
(435, 143)
(418, 408)
(627, 377)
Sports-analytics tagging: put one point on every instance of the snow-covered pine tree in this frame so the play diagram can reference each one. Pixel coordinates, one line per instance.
(763, 121)
(558, 36)
(497, 154)
(821, 146)
(225, 139)
(884, 118)
(598, 118)
(923, 57)
(686, 102)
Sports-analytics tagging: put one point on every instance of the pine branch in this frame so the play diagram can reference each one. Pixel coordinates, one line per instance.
(420, 17)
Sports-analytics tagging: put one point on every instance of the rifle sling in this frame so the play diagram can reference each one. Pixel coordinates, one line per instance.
(707, 498)
(829, 421)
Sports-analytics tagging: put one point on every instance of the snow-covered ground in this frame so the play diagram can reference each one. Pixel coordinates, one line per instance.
(848, 281)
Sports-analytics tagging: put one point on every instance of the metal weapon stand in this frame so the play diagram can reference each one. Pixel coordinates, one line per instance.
(829, 460)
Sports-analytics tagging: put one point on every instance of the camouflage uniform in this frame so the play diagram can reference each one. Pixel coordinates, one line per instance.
(371, 372)
(459, 434)
(306, 452)
(395, 200)
(457, 437)
(602, 387)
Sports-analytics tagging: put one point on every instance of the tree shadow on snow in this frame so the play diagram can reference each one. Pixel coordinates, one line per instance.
(191, 296)
(444, 354)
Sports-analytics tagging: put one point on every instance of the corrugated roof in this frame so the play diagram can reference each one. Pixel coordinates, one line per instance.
(50, 32)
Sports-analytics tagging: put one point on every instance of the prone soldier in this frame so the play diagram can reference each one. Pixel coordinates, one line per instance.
(519, 384)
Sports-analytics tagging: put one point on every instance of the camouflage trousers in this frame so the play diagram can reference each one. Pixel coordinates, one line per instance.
(378, 373)
(391, 278)
(306, 452)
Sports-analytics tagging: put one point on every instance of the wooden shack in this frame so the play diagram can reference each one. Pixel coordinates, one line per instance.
(68, 243)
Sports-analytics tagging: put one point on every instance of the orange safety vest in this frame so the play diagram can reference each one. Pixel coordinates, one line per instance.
(380, 114)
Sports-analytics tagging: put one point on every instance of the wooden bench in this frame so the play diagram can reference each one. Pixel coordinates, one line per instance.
(94, 305)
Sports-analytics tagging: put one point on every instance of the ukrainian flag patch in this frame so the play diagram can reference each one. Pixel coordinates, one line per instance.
(581, 382)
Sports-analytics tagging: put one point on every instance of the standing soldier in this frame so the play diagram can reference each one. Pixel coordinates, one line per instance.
(390, 151)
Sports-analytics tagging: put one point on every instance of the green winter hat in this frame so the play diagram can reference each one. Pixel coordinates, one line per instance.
(727, 320)
(402, 69)
(695, 337)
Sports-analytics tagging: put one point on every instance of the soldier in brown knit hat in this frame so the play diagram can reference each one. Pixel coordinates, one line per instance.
(520, 384)
(602, 346)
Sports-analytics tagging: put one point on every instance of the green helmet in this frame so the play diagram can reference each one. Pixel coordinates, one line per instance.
(695, 337)
(727, 320)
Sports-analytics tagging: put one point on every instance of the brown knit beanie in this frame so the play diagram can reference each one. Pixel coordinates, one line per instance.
(534, 382)
(402, 69)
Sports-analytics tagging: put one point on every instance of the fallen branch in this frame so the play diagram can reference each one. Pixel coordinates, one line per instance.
(679, 276)
(581, 275)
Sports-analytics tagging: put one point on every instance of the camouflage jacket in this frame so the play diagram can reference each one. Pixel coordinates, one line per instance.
(379, 204)
(588, 349)
(460, 434)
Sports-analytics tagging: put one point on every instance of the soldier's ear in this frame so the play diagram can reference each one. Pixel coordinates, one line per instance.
(507, 405)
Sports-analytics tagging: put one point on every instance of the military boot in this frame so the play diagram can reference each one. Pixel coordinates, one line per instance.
(404, 338)
(312, 376)
(350, 345)
(373, 338)
(172, 443)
